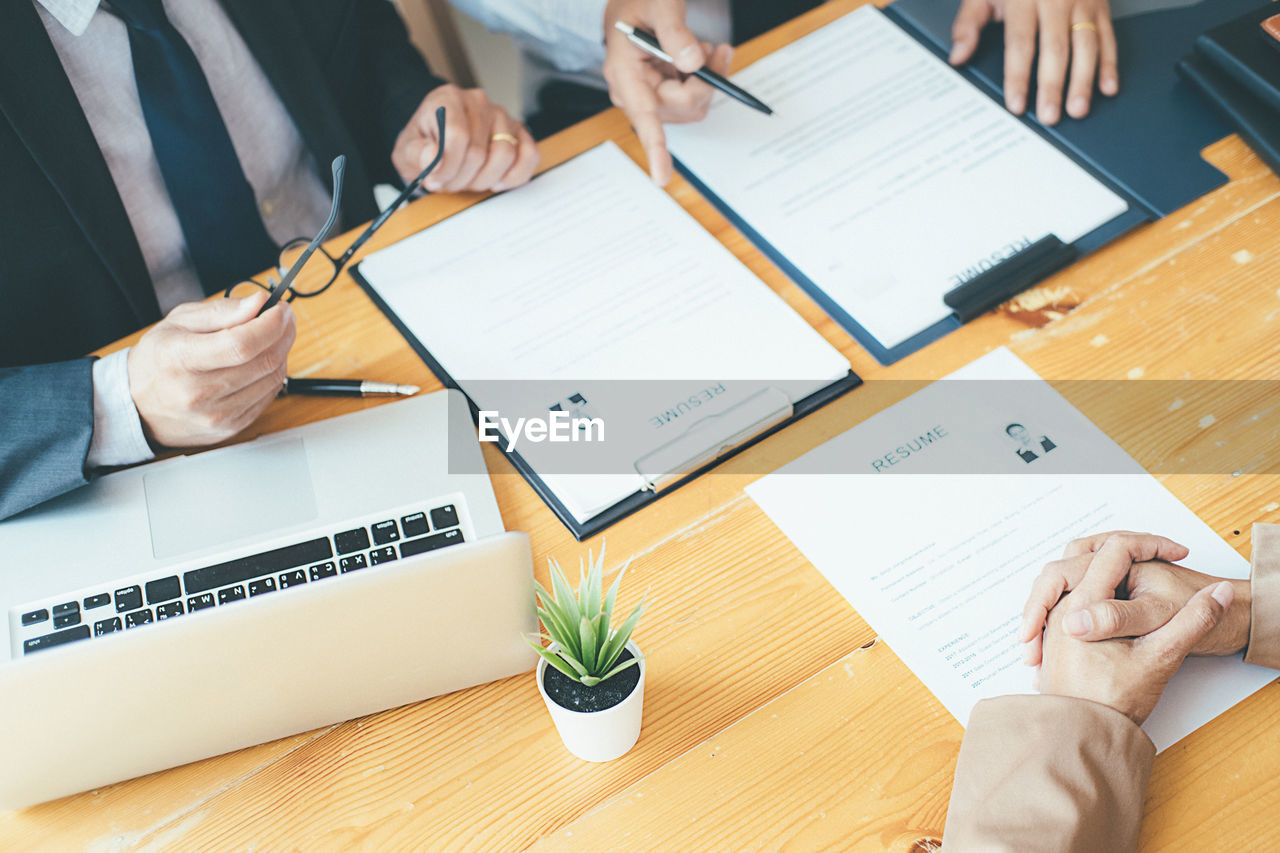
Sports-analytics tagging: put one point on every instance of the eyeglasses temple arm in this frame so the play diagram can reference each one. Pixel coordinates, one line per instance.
(339, 169)
(409, 190)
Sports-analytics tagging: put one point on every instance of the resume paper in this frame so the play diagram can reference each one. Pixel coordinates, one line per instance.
(884, 176)
(939, 558)
(591, 291)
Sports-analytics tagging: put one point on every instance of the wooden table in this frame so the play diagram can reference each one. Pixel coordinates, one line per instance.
(772, 717)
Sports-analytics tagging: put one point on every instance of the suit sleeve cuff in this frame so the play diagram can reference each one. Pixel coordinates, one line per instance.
(118, 438)
(1048, 773)
(1264, 584)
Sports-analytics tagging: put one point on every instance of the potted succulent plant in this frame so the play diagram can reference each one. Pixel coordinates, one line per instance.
(591, 676)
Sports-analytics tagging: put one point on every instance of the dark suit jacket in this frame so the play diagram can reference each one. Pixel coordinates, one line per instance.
(72, 277)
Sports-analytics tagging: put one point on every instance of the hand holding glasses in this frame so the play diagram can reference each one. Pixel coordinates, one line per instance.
(326, 267)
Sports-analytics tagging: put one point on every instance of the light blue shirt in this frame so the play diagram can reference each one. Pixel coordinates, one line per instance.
(568, 34)
(565, 38)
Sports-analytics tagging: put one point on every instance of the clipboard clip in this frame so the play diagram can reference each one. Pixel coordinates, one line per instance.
(1010, 277)
(712, 437)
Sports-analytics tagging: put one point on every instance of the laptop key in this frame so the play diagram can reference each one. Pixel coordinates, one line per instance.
(129, 598)
(353, 563)
(322, 571)
(99, 600)
(57, 638)
(430, 543)
(233, 593)
(34, 617)
(261, 586)
(138, 617)
(386, 531)
(169, 609)
(67, 619)
(64, 609)
(445, 516)
(106, 626)
(266, 564)
(415, 525)
(292, 578)
(165, 589)
(351, 540)
(382, 555)
(199, 602)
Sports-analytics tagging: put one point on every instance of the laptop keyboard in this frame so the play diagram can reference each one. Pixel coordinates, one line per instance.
(100, 612)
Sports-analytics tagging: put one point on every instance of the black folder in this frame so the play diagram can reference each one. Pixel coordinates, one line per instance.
(1236, 69)
(1256, 121)
(1247, 54)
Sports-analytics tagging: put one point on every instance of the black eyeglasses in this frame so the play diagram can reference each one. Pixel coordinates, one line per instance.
(305, 259)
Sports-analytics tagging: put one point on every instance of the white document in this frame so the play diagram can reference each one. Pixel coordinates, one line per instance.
(588, 276)
(884, 176)
(939, 559)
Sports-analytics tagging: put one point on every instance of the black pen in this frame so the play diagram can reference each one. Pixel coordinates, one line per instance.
(648, 42)
(347, 388)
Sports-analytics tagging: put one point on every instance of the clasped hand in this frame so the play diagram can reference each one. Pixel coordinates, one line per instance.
(1113, 620)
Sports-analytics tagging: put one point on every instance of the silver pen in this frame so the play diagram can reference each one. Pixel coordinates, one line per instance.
(648, 42)
(348, 388)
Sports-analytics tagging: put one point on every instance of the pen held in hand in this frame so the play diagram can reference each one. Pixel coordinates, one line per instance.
(648, 42)
(347, 388)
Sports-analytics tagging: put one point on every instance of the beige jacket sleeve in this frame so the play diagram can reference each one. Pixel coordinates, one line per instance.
(1048, 773)
(1058, 774)
(1264, 584)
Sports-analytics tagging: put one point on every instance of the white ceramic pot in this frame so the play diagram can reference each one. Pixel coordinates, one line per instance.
(599, 735)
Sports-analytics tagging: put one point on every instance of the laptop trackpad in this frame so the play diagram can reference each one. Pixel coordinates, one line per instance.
(227, 495)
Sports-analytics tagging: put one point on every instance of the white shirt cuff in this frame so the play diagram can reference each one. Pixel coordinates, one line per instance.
(117, 429)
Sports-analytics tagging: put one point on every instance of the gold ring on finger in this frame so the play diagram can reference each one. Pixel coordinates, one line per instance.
(505, 137)
(1084, 25)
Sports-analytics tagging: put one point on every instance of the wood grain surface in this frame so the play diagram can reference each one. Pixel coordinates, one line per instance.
(767, 724)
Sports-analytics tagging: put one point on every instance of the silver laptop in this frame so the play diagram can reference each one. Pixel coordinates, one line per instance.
(204, 603)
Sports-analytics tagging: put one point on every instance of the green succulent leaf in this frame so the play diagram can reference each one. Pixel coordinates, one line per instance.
(595, 579)
(619, 668)
(590, 642)
(554, 624)
(576, 664)
(613, 648)
(553, 659)
(564, 594)
(612, 595)
(556, 621)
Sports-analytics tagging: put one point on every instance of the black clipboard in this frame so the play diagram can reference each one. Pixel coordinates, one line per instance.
(1143, 145)
(647, 490)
